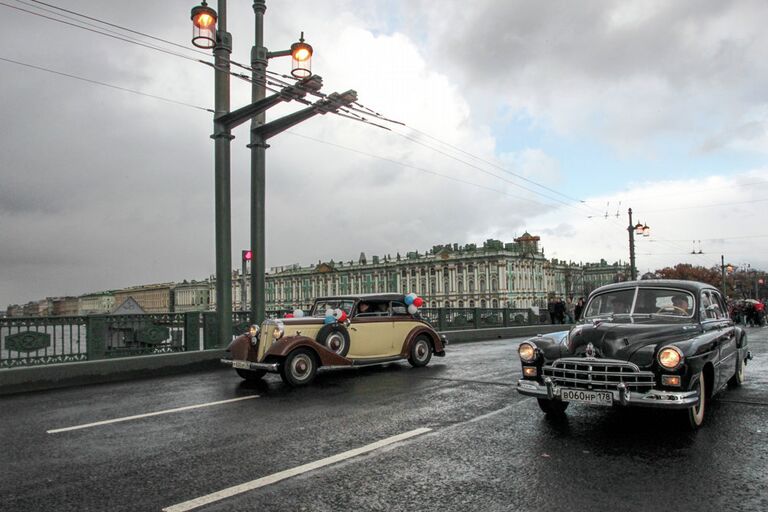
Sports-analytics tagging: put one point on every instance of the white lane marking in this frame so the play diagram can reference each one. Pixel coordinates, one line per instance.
(157, 413)
(288, 473)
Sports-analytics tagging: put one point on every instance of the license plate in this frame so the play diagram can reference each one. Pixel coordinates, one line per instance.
(244, 365)
(587, 397)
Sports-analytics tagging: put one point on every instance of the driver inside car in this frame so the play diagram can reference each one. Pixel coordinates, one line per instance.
(680, 303)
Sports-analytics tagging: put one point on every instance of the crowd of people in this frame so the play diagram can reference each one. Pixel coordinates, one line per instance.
(565, 311)
(748, 312)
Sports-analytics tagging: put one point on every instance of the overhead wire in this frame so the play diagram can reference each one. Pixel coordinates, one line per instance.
(96, 82)
(353, 112)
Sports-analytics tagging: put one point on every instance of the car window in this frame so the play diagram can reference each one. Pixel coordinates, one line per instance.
(344, 304)
(399, 309)
(710, 306)
(717, 299)
(614, 302)
(648, 301)
(372, 308)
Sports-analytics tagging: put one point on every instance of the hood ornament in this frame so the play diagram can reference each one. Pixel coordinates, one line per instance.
(589, 352)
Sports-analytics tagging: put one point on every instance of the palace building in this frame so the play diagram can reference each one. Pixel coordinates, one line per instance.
(496, 275)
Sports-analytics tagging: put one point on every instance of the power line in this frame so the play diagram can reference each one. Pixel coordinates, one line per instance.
(403, 164)
(96, 82)
(107, 34)
(118, 27)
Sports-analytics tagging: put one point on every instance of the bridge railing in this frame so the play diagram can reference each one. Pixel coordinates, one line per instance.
(31, 341)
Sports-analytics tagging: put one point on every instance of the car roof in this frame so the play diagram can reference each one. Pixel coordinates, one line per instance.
(690, 286)
(365, 296)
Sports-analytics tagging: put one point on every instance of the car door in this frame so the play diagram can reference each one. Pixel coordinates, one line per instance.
(370, 335)
(728, 349)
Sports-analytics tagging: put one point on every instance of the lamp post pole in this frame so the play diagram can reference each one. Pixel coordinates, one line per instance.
(258, 148)
(722, 271)
(222, 142)
(631, 229)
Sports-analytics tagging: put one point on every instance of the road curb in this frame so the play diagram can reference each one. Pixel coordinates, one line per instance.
(37, 378)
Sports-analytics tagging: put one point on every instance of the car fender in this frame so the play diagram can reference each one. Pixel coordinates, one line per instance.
(242, 349)
(437, 343)
(285, 346)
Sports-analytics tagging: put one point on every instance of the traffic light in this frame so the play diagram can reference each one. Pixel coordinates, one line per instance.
(247, 255)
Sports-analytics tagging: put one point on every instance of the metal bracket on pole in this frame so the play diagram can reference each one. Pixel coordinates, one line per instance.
(292, 92)
(331, 103)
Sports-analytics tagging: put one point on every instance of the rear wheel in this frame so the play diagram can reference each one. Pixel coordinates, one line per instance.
(738, 377)
(299, 367)
(552, 407)
(250, 375)
(421, 352)
(695, 415)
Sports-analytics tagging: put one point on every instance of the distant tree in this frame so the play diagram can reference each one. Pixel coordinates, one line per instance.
(689, 272)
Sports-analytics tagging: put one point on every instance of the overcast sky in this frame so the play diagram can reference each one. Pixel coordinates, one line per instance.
(655, 105)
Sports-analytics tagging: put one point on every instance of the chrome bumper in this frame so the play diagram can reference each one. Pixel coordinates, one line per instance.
(653, 398)
(248, 365)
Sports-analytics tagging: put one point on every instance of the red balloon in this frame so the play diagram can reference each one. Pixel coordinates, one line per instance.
(418, 302)
(289, 315)
(343, 316)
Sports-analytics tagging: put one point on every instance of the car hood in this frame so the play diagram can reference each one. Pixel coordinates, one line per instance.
(624, 341)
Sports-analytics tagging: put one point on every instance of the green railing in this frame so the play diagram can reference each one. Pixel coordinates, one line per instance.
(31, 341)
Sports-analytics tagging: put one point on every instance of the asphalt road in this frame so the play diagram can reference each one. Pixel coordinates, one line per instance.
(486, 447)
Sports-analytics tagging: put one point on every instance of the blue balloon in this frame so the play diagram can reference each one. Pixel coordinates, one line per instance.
(409, 299)
(329, 320)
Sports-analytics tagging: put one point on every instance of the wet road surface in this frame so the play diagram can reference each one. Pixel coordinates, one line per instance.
(474, 444)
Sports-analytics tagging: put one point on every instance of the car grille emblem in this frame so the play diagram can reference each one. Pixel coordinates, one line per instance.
(590, 351)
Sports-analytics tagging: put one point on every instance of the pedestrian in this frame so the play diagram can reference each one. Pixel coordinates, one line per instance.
(551, 310)
(578, 309)
(559, 311)
(570, 310)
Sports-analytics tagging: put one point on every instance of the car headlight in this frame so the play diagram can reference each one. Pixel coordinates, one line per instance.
(670, 358)
(279, 330)
(253, 331)
(527, 352)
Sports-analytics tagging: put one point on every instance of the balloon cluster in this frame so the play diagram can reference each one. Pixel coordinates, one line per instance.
(297, 313)
(335, 315)
(414, 302)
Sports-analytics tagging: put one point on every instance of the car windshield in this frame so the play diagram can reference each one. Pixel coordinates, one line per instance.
(655, 302)
(321, 305)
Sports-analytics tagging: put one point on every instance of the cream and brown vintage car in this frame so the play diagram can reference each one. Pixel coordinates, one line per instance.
(373, 329)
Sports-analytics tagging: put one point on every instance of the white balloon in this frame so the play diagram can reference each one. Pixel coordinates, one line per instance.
(298, 313)
(329, 312)
(412, 309)
(337, 313)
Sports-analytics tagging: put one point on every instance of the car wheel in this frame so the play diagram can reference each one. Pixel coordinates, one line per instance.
(695, 415)
(738, 377)
(421, 352)
(299, 367)
(251, 375)
(335, 338)
(552, 407)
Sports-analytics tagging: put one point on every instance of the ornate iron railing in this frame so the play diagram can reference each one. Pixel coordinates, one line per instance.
(33, 341)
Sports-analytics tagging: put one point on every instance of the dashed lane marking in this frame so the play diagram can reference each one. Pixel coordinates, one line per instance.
(147, 415)
(288, 473)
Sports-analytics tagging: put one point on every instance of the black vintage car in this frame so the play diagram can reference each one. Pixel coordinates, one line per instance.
(656, 343)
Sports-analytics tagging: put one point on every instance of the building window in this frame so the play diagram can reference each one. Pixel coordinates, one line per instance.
(482, 303)
(482, 286)
(494, 303)
(461, 303)
(461, 286)
(471, 303)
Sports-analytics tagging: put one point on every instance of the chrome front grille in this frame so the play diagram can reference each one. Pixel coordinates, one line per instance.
(598, 374)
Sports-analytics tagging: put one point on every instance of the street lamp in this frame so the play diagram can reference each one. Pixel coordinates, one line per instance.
(206, 35)
(204, 26)
(641, 230)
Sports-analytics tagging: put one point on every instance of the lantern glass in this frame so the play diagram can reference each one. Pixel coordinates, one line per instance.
(646, 230)
(301, 59)
(204, 26)
(638, 229)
